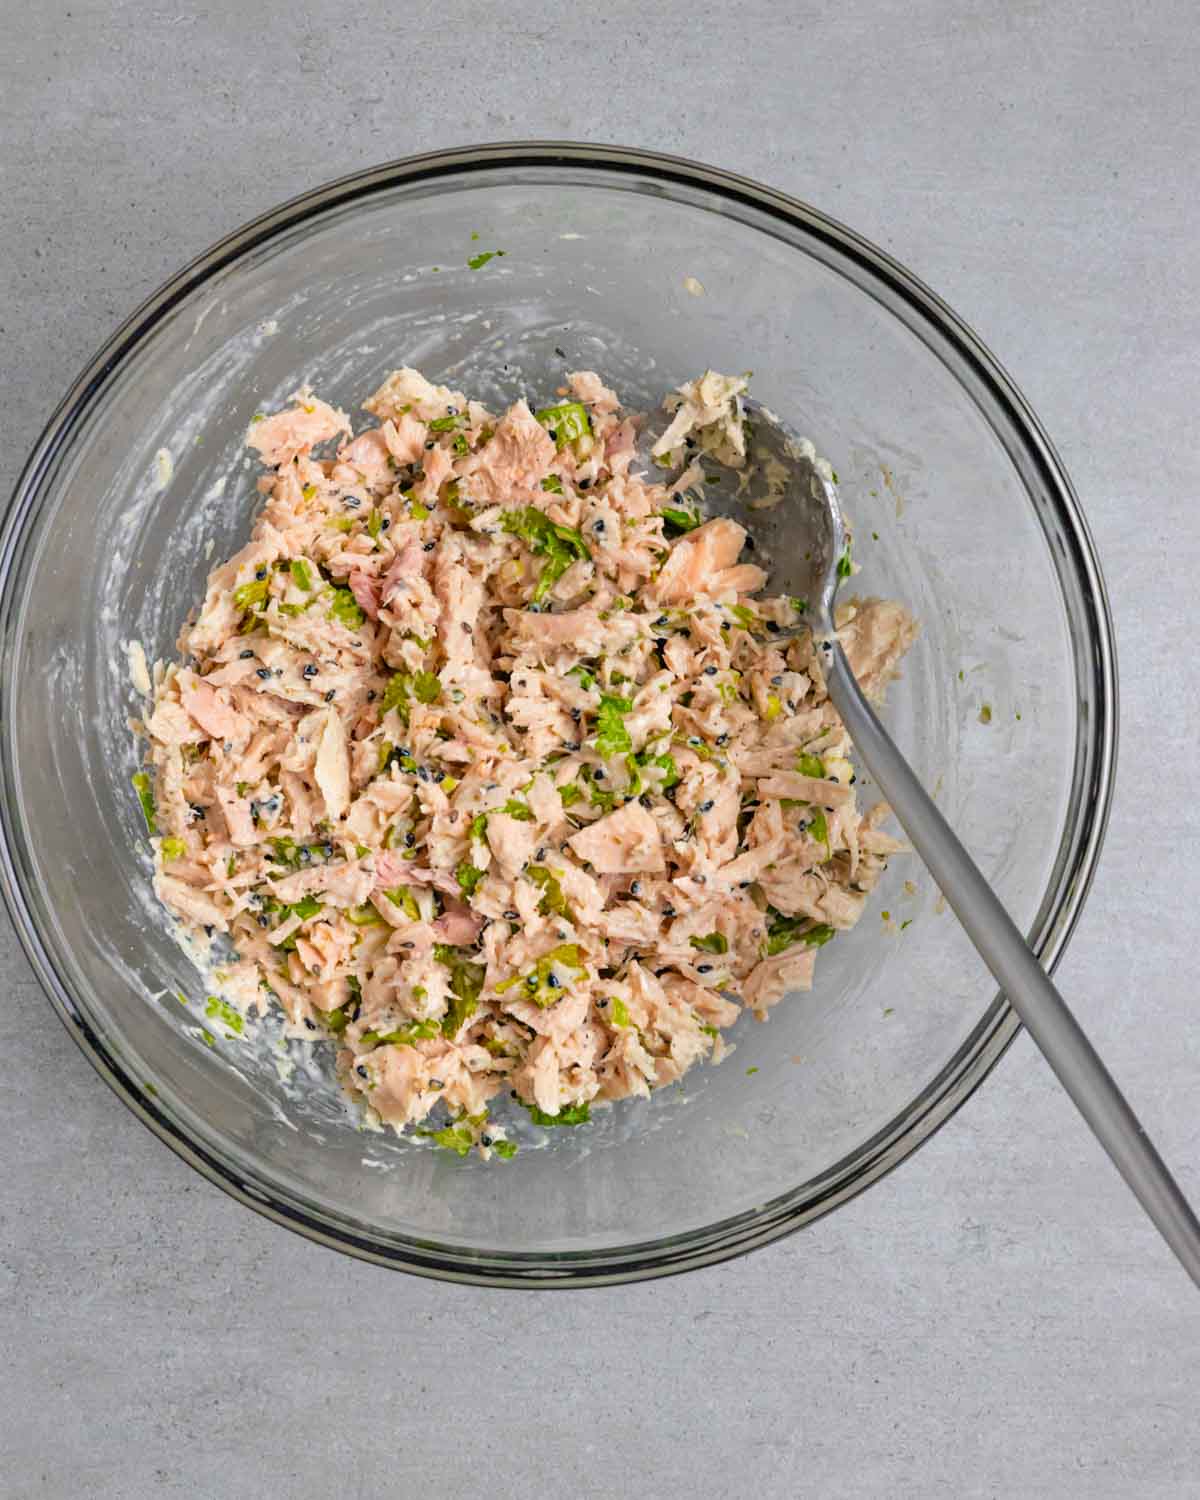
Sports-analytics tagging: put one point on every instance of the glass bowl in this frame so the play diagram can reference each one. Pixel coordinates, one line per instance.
(647, 269)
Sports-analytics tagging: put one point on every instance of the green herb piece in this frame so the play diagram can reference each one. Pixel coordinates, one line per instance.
(810, 765)
(141, 785)
(252, 595)
(552, 484)
(570, 793)
(477, 262)
(468, 877)
(517, 809)
(559, 545)
(460, 444)
(345, 609)
(231, 867)
(612, 737)
(745, 616)
(344, 524)
(506, 1150)
(308, 907)
(363, 916)
(541, 984)
(819, 829)
(783, 932)
(402, 897)
(404, 1036)
(403, 686)
(418, 511)
(586, 681)
(665, 764)
(553, 899)
(478, 829)
(844, 565)
(679, 521)
(620, 1012)
(750, 1072)
(447, 424)
(301, 574)
(374, 523)
(173, 848)
(799, 605)
(567, 421)
(572, 1114)
(598, 796)
(466, 982)
(214, 1006)
(336, 1020)
(714, 942)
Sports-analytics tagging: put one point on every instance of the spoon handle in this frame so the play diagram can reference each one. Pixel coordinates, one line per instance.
(1028, 987)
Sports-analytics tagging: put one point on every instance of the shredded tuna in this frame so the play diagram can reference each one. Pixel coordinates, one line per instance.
(482, 770)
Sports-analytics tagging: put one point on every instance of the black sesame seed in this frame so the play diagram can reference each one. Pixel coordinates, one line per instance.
(327, 850)
(485, 1140)
(371, 696)
(541, 853)
(245, 655)
(512, 916)
(722, 739)
(386, 524)
(602, 1003)
(777, 680)
(361, 1071)
(749, 544)
(707, 806)
(329, 696)
(260, 574)
(585, 484)
(704, 968)
(560, 352)
(635, 888)
(466, 629)
(263, 672)
(576, 714)
(773, 627)
(428, 547)
(352, 502)
(668, 911)
(701, 879)
(531, 983)
(429, 444)
(409, 840)
(598, 526)
(439, 776)
(710, 671)
(552, 981)
(311, 1025)
(264, 921)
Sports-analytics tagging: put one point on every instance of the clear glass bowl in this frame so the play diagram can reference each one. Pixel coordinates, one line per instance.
(647, 269)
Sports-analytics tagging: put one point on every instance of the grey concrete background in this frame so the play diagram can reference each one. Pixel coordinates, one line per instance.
(995, 1319)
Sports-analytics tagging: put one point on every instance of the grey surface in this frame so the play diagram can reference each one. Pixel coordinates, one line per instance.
(996, 1319)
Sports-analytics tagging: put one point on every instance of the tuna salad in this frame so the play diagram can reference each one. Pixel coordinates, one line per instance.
(481, 760)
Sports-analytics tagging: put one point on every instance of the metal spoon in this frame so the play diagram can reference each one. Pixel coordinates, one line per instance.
(781, 498)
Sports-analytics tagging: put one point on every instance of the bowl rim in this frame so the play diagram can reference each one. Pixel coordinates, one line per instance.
(998, 1026)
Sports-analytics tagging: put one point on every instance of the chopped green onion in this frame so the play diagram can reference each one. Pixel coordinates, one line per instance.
(567, 421)
(141, 785)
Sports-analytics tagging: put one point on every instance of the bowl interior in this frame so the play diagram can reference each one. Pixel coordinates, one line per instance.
(647, 280)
